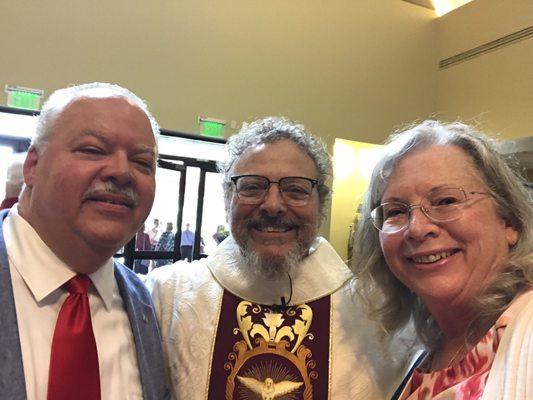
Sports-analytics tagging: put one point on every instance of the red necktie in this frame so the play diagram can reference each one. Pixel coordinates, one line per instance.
(74, 370)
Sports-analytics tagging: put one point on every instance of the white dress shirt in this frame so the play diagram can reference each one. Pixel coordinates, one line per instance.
(37, 275)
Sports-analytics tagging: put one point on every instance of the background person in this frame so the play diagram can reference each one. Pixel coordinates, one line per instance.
(166, 243)
(447, 242)
(76, 324)
(273, 306)
(142, 242)
(153, 233)
(187, 243)
(220, 234)
(14, 180)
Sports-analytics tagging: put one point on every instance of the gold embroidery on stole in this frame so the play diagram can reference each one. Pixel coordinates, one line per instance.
(272, 336)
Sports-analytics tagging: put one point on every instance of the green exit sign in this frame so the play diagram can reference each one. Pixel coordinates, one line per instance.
(211, 126)
(26, 98)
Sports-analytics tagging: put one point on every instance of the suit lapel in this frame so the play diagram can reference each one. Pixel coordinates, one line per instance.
(12, 383)
(144, 327)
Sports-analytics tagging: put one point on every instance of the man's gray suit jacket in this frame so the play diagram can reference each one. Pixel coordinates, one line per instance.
(138, 305)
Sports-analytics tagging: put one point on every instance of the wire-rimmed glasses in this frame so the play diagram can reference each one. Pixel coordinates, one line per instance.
(295, 190)
(440, 205)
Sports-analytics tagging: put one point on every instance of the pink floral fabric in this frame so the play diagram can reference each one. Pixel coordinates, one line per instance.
(465, 380)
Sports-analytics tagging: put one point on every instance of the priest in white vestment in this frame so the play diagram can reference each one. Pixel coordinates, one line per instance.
(272, 313)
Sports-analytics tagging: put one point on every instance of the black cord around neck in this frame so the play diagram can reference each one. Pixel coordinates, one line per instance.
(284, 304)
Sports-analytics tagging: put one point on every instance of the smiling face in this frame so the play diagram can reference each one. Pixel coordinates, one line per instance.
(445, 262)
(93, 185)
(272, 229)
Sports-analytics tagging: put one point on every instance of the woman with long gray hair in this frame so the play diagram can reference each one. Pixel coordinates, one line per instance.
(446, 243)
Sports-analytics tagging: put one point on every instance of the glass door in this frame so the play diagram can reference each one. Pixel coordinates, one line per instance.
(188, 212)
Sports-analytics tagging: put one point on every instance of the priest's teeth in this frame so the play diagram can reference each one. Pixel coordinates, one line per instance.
(432, 257)
(272, 229)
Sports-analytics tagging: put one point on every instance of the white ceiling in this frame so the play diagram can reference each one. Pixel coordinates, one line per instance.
(441, 7)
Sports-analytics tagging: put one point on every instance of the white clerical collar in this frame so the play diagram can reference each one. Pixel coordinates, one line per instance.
(318, 275)
(42, 271)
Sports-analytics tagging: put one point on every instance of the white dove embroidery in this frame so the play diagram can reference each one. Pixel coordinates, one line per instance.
(268, 389)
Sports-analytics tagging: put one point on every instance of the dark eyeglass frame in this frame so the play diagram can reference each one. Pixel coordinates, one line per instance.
(425, 211)
(288, 200)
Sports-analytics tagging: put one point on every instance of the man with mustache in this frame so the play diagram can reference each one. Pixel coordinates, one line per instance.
(272, 310)
(74, 323)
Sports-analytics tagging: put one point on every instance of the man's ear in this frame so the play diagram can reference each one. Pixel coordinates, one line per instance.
(30, 166)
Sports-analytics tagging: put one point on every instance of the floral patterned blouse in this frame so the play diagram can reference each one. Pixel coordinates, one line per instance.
(465, 380)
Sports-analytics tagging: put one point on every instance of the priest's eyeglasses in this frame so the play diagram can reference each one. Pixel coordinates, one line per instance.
(295, 190)
(440, 205)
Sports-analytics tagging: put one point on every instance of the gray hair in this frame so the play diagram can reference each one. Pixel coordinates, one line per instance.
(15, 176)
(272, 129)
(61, 98)
(388, 300)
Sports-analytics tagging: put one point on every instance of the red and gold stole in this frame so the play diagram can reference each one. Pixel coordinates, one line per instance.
(266, 351)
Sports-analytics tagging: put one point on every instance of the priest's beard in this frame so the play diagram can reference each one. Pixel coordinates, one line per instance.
(271, 266)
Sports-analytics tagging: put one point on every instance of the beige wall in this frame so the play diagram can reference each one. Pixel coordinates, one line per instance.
(351, 69)
(496, 88)
(352, 167)
(347, 69)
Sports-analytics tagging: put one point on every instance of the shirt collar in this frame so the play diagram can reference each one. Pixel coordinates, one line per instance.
(105, 283)
(42, 271)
